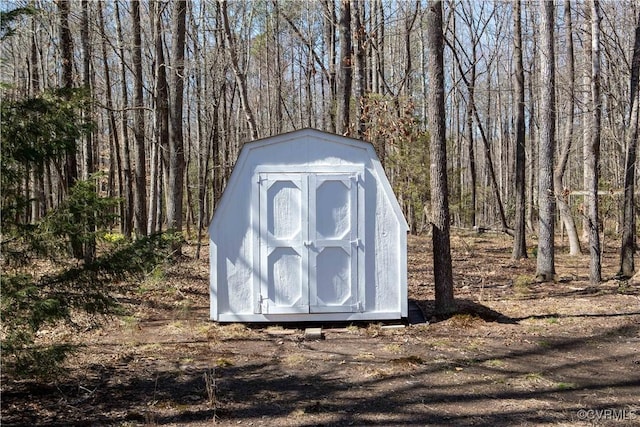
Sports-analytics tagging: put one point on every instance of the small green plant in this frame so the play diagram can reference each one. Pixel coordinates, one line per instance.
(183, 308)
(374, 330)
(464, 320)
(494, 363)
(393, 348)
(624, 287)
(223, 362)
(565, 386)
(353, 329)
(130, 322)
(157, 274)
(534, 377)
(295, 360)
(521, 285)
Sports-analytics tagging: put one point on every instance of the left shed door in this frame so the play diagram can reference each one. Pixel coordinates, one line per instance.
(284, 258)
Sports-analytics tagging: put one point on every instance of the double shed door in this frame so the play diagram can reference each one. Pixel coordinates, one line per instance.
(310, 250)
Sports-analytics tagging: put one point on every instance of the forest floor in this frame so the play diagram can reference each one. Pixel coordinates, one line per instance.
(520, 353)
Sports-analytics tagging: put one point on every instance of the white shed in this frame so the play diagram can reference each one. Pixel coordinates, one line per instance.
(308, 229)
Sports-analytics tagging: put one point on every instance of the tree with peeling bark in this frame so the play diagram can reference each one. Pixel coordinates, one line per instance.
(442, 266)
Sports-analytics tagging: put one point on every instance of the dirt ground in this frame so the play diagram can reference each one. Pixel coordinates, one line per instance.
(520, 353)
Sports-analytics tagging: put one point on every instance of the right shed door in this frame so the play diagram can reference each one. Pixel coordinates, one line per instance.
(333, 230)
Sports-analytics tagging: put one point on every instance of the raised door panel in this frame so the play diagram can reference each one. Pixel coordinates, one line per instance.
(333, 271)
(283, 233)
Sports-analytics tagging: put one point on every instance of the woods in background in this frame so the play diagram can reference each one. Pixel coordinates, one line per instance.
(545, 93)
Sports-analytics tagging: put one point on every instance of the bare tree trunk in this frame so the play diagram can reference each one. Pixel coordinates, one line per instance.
(562, 194)
(88, 168)
(127, 219)
(472, 156)
(176, 144)
(345, 70)
(241, 78)
(486, 145)
(140, 194)
(38, 202)
(629, 237)
(66, 46)
(70, 175)
(546, 198)
(587, 122)
(87, 53)
(359, 50)
(161, 118)
(519, 243)
(593, 159)
(532, 149)
(329, 33)
(442, 265)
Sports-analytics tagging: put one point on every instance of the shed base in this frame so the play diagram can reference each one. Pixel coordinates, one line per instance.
(308, 317)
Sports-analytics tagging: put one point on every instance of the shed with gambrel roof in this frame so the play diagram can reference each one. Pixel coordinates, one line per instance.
(308, 229)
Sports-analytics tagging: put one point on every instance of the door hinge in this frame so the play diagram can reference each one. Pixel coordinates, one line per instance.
(259, 307)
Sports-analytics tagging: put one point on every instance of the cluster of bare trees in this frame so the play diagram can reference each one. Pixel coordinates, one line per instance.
(531, 90)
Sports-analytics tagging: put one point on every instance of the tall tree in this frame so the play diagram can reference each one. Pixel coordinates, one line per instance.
(241, 77)
(88, 76)
(329, 35)
(160, 147)
(519, 243)
(66, 46)
(629, 221)
(562, 196)
(127, 220)
(377, 46)
(359, 31)
(140, 199)
(593, 153)
(71, 162)
(442, 266)
(345, 74)
(546, 196)
(115, 166)
(176, 144)
(469, 79)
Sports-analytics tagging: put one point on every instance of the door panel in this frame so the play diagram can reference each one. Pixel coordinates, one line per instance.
(333, 220)
(283, 256)
(333, 208)
(333, 274)
(284, 204)
(285, 270)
